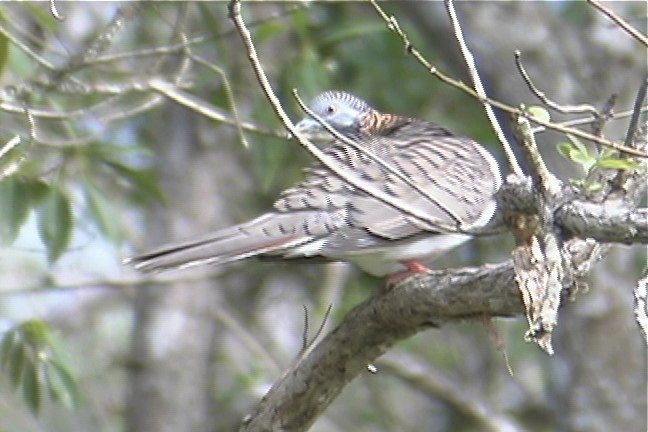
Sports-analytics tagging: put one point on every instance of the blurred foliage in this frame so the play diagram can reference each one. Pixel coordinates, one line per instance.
(55, 222)
(30, 355)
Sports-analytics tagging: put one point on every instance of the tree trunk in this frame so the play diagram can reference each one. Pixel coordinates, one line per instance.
(175, 332)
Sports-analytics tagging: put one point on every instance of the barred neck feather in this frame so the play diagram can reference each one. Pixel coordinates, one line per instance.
(375, 123)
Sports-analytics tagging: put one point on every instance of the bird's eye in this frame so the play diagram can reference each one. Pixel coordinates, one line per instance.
(330, 109)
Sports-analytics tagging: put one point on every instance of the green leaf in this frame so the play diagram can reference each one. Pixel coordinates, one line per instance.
(61, 385)
(17, 362)
(104, 212)
(615, 163)
(539, 113)
(4, 47)
(42, 16)
(31, 386)
(577, 143)
(608, 153)
(584, 159)
(35, 333)
(31, 354)
(55, 223)
(592, 186)
(143, 181)
(38, 190)
(268, 30)
(14, 208)
(576, 152)
(6, 347)
(564, 148)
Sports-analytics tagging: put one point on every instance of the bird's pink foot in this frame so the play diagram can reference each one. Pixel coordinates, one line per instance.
(413, 267)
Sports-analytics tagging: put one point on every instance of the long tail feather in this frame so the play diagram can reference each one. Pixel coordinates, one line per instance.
(224, 246)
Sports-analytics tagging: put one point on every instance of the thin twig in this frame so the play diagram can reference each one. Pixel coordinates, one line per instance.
(229, 94)
(305, 331)
(567, 109)
(636, 112)
(10, 145)
(392, 25)
(640, 292)
(174, 48)
(589, 120)
(479, 88)
(604, 116)
(542, 177)
(200, 106)
(26, 49)
(55, 13)
(250, 340)
(307, 345)
(620, 22)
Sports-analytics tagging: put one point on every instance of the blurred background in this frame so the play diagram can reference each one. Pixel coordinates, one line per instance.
(114, 167)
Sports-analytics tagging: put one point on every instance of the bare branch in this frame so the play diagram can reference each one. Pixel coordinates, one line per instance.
(12, 166)
(178, 47)
(604, 223)
(589, 120)
(636, 112)
(568, 109)
(25, 48)
(251, 341)
(620, 22)
(641, 313)
(392, 25)
(228, 93)
(544, 180)
(369, 330)
(479, 88)
(55, 13)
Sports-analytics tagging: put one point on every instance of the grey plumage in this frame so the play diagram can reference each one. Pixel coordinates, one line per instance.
(325, 216)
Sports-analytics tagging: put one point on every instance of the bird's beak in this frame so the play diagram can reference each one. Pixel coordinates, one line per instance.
(307, 126)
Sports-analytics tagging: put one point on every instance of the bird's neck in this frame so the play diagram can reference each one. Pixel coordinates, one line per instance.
(377, 123)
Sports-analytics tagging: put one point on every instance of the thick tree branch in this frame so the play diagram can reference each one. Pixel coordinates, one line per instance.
(369, 330)
(421, 302)
(604, 223)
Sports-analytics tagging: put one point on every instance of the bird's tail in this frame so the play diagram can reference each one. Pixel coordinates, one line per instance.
(230, 244)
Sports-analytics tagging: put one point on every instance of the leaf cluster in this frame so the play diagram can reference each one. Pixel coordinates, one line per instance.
(29, 354)
(574, 150)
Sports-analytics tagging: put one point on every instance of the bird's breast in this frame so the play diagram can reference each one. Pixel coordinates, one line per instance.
(387, 260)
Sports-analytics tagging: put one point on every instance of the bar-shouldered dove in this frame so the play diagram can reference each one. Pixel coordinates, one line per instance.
(448, 178)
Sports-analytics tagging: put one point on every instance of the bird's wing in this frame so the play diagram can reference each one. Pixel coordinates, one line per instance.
(457, 175)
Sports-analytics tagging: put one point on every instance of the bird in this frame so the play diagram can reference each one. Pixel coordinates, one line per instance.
(448, 180)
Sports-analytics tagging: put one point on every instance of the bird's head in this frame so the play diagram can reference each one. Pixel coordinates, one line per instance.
(341, 110)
